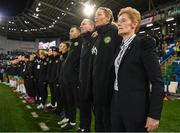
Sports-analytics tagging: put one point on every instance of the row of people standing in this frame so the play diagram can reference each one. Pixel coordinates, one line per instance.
(108, 71)
(122, 65)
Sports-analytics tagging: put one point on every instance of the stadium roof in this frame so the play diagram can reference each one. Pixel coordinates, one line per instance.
(30, 19)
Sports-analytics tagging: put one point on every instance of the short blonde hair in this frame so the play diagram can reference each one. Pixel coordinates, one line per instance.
(89, 21)
(108, 13)
(133, 14)
(42, 52)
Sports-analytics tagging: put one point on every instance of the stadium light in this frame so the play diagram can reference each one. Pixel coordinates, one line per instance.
(89, 9)
(39, 4)
(37, 9)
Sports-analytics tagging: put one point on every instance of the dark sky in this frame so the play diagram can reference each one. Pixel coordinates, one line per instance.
(13, 7)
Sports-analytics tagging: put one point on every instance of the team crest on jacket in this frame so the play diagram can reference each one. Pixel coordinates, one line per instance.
(107, 39)
(76, 44)
(94, 50)
(56, 61)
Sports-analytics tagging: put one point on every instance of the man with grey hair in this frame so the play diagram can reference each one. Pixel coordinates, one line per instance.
(87, 28)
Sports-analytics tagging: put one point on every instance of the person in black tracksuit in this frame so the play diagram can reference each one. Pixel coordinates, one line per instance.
(30, 75)
(50, 60)
(59, 108)
(61, 101)
(21, 70)
(25, 74)
(42, 84)
(36, 71)
(100, 63)
(87, 28)
(54, 80)
(70, 77)
(63, 50)
(12, 71)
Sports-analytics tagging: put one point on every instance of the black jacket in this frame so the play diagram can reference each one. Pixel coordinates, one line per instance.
(11, 70)
(60, 68)
(54, 69)
(58, 71)
(43, 70)
(36, 67)
(71, 64)
(139, 67)
(20, 68)
(50, 60)
(31, 70)
(101, 61)
(25, 70)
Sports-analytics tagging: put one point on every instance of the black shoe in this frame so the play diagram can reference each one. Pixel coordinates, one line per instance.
(80, 130)
(49, 109)
(67, 126)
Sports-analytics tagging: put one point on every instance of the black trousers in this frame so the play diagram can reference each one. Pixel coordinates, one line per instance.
(53, 90)
(37, 90)
(43, 92)
(31, 87)
(60, 100)
(120, 123)
(64, 99)
(70, 100)
(102, 118)
(85, 115)
(27, 86)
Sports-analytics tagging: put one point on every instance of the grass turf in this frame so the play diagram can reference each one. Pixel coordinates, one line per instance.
(14, 116)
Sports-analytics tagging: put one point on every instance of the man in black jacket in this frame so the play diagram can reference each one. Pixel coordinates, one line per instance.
(71, 77)
(87, 28)
(61, 105)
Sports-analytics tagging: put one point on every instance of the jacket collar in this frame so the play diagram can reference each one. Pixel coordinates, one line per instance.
(131, 45)
(104, 28)
(75, 40)
(87, 36)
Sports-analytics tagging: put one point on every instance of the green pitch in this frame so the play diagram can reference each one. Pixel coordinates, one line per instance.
(14, 116)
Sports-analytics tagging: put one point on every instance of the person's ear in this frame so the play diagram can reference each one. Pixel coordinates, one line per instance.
(108, 19)
(134, 25)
